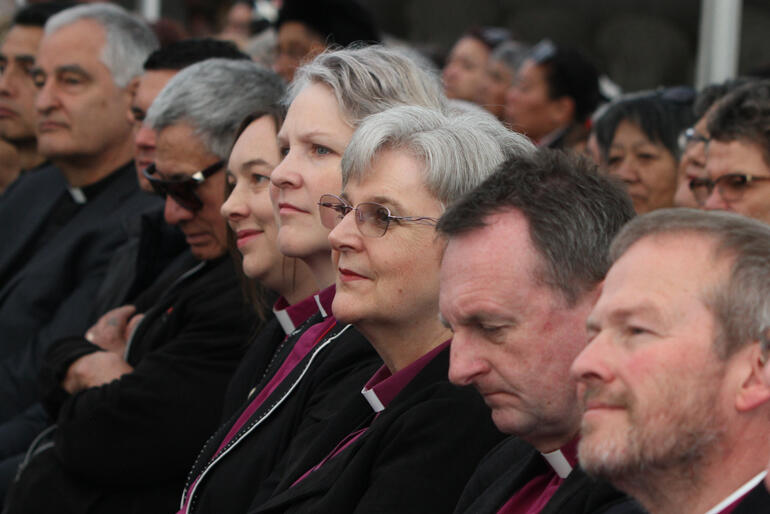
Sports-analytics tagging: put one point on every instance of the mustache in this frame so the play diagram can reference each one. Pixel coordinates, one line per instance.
(594, 394)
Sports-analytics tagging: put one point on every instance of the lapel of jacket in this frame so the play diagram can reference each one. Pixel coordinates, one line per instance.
(26, 210)
(758, 500)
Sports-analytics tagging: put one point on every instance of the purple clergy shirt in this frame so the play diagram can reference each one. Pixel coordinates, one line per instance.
(379, 391)
(536, 494)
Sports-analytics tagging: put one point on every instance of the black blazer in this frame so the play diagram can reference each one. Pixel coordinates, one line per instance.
(415, 457)
(513, 463)
(126, 446)
(758, 500)
(51, 296)
(285, 424)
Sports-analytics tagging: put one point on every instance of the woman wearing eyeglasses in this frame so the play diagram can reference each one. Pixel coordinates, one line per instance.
(410, 441)
(322, 363)
(638, 136)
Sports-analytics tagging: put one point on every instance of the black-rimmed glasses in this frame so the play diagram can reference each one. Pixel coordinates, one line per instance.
(182, 190)
(730, 186)
(372, 219)
(689, 137)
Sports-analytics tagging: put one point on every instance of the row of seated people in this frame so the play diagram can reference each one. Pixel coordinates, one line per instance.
(417, 248)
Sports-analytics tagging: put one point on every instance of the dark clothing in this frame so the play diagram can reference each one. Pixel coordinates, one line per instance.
(50, 295)
(758, 500)
(414, 457)
(126, 446)
(290, 417)
(513, 463)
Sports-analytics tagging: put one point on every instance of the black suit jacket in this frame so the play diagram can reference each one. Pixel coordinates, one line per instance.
(513, 463)
(758, 500)
(415, 457)
(126, 446)
(51, 295)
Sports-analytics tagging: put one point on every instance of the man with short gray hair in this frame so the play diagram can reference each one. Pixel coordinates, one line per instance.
(676, 411)
(526, 254)
(132, 412)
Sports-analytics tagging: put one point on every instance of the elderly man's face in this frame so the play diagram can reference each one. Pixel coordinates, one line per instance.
(514, 337)
(17, 89)
(179, 154)
(652, 385)
(81, 111)
(741, 159)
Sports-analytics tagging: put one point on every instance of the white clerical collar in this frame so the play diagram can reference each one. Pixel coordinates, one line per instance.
(285, 320)
(741, 491)
(373, 399)
(320, 306)
(78, 196)
(558, 462)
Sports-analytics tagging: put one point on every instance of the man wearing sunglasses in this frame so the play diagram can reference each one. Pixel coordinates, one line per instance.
(134, 408)
(738, 154)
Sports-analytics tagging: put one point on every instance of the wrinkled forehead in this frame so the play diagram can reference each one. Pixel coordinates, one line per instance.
(80, 43)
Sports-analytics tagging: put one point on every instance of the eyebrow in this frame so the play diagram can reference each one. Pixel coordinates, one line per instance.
(256, 162)
(620, 315)
(73, 68)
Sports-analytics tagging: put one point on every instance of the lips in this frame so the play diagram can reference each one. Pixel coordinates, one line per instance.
(287, 208)
(245, 236)
(347, 275)
(5, 112)
(48, 126)
(197, 238)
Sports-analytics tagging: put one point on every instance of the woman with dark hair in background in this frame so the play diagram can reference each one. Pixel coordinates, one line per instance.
(638, 136)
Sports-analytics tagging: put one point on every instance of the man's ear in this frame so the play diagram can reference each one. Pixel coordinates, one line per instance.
(755, 388)
(128, 95)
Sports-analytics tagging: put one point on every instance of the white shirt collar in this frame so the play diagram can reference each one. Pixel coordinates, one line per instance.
(741, 491)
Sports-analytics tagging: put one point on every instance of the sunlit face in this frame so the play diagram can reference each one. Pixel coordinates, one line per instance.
(465, 70)
(647, 168)
(528, 107)
(739, 157)
(514, 336)
(81, 111)
(296, 44)
(248, 209)
(650, 380)
(391, 279)
(497, 81)
(692, 165)
(17, 89)
(312, 141)
(149, 86)
(181, 153)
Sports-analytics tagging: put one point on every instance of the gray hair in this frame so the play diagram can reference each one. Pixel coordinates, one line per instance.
(741, 301)
(369, 80)
(129, 40)
(510, 53)
(458, 150)
(213, 96)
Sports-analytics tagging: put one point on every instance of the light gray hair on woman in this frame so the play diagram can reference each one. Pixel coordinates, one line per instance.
(369, 80)
(740, 301)
(459, 149)
(129, 40)
(213, 96)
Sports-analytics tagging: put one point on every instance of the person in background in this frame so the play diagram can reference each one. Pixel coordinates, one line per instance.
(737, 156)
(676, 410)
(62, 223)
(638, 137)
(18, 90)
(465, 71)
(554, 93)
(504, 61)
(307, 27)
(137, 395)
(517, 329)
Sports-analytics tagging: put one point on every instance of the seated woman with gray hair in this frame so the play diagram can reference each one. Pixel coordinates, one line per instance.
(411, 441)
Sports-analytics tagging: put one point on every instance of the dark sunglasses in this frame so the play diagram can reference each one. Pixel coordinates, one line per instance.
(182, 190)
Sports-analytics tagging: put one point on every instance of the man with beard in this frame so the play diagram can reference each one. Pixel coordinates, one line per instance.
(526, 255)
(677, 414)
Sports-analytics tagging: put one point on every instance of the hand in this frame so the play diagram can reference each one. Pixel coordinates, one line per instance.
(109, 333)
(93, 370)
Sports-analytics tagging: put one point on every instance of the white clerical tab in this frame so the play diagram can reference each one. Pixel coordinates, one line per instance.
(78, 195)
(373, 400)
(285, 320)
(320, 307)
(559, 463)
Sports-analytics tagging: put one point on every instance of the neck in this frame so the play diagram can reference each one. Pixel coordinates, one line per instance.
(555, 441)
(82, 170)
(400, 344)
(28, 156)
(322, 269)
(697, 487)
(298, 282)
